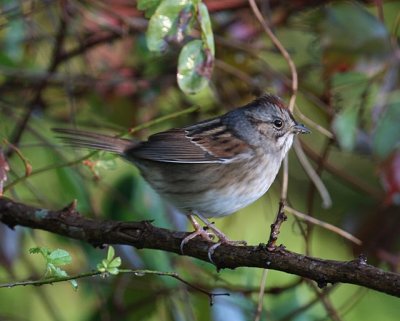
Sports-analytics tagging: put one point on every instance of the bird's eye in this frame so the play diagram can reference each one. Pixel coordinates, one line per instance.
(278, 123)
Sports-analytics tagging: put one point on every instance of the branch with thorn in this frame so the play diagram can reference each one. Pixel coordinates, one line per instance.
(69, 223)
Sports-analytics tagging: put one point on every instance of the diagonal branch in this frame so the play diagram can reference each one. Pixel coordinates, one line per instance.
(68, 222)
(37, 99)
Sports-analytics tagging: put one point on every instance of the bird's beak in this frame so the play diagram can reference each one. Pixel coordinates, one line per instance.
(300, 129)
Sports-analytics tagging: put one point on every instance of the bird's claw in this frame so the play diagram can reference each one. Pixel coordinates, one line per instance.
(200, 232)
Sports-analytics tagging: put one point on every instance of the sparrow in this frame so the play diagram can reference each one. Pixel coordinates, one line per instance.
(212, 168)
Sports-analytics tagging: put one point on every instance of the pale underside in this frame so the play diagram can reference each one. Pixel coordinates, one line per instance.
(212, 191)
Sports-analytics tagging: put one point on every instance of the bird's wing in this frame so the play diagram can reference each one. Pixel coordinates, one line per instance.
(206, 142)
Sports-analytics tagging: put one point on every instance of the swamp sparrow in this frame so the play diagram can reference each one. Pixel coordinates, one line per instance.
(212, 168)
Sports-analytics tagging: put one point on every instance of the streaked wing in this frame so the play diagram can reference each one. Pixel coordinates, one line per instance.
(205, 142)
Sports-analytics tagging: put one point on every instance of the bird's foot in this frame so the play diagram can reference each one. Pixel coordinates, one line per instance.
(203, 232)
(198, 232)
(223, 239)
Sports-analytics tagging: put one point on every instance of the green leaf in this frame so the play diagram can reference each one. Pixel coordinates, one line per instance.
(59, 257)
(110, 253)
(115, 263)
(206, 29)
(53, 260)
(387, 135)
(45, 252)
(163, 23)
(56, 271)
(345, 127)
(148, 6)
(111, 264)
(113, 271)
(194, 67)
(38, 250)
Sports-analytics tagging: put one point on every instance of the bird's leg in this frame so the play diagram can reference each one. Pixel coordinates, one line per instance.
(218, 233)
(198, 231)
(223, 239)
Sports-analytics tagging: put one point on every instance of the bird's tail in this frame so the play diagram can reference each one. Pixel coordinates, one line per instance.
(85, 139)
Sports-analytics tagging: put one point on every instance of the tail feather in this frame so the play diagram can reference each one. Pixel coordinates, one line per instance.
(84, 139)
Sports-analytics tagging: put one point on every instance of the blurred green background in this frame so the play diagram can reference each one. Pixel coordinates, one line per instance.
(87, 64)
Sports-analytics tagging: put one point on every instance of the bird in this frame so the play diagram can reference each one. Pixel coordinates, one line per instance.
(211, 168)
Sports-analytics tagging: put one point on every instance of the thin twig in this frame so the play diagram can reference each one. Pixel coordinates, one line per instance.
(52, 280)
(352, 180)
(48, 168)
(176, 276)
(283, 51)
(275, 227)
(285, 178)
(324, 225)
(238, 73)
(292, 314)
(326, 302)
(209, 294)
(311, 194)
(313, 124)
(312, 174)
(27, 164)
(261, 293)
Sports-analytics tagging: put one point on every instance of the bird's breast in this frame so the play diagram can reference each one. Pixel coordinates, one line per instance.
(212, 189)
(243, 186)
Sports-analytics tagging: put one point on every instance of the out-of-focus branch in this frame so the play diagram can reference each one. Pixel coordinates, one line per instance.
(347, 177)
(282, 50)
(68, 222)
(37, 98)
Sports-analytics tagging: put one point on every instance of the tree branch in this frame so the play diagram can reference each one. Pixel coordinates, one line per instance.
(68, 222)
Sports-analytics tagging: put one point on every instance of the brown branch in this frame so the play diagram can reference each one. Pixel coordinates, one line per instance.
(68, 222)
(275, 227)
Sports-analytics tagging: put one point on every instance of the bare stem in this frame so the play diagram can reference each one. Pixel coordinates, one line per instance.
(282, 49)
(53, 280)
(324, 225)
(261, 294)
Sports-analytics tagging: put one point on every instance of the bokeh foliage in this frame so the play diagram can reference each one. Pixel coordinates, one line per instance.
(114, 65)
